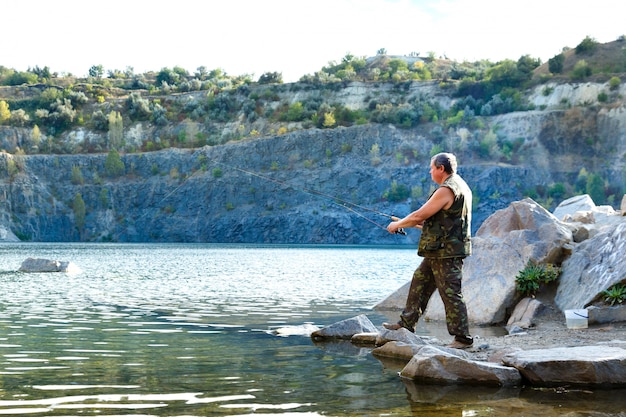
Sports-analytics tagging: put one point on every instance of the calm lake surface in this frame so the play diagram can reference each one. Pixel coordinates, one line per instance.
(191, 330)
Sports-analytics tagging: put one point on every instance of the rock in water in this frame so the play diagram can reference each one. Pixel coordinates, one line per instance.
(47, 265)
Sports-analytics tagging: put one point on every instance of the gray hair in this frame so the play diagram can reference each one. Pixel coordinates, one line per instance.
(447, 160)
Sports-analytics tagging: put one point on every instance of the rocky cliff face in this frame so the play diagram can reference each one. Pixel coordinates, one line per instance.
(293, 188)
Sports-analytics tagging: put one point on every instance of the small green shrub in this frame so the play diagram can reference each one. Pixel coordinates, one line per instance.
(398, 192)
(530, 279)
(615, 295)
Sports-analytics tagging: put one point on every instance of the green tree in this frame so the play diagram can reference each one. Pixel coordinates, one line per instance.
(78, 205)
(35, 135)
(555, 64)
(295, 113)
(595, 188)
(271, 78)
(398, 192)
(167, 76)
(77, 175)
(96, 71)
(581, 70)
(116, 129)
(114, 166)
(329, 120)
(586, 45)
(5, 113)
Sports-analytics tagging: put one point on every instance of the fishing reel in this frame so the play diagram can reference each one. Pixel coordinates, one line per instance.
(400, 231)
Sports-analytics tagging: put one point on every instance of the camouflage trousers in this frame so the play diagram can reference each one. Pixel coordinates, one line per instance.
(444, 275)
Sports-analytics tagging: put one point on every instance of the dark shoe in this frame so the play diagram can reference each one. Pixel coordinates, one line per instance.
(459, 345)
(396, 326)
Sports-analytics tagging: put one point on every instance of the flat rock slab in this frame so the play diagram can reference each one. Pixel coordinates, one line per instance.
(432, 364)
(583, 365)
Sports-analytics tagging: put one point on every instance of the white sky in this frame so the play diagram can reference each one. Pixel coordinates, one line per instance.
(294, 37)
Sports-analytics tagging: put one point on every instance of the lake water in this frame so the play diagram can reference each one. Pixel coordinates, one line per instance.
(190, 330)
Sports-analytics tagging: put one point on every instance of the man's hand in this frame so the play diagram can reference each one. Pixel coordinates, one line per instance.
(393, 227)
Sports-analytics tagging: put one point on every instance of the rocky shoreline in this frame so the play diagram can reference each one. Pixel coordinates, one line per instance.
(546, 355)
(539, 350)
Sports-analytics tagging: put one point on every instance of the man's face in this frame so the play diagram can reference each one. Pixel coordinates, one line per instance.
(436, 174)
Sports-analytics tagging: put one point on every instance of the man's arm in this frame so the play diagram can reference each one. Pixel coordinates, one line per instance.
(442, 198)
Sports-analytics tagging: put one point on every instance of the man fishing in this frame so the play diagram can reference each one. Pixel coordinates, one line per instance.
(445, 220)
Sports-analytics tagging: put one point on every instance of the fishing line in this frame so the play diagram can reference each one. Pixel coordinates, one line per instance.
(348, 205)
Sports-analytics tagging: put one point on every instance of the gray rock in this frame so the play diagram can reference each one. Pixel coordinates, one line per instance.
(6, 235)
(435, 365)
(572, 205)
(503, 245)
(397, 350)
(535, 231)
(364, 338)
(47, 265)
(597, 264)
(584, 365)
(524, 314)
(400, 335)
(346, 329)
(606, 314)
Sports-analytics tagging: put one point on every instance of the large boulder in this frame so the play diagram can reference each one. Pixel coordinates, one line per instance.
(584, 218)
(502, 247)
(579, 203)
(537, 234)
(596, 265)
(583, 365)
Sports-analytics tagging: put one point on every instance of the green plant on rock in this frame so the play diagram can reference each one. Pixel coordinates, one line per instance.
(530, 279)
(615, 295)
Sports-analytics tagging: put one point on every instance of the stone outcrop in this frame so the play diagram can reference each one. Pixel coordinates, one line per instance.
(240, 192)
(47, 265)
(597, 264)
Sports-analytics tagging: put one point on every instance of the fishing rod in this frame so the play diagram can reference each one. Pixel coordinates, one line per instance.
(348, 205)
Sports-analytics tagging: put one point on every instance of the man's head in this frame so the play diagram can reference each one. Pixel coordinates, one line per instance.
(445, 160)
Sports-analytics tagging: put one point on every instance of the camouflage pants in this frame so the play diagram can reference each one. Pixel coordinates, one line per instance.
(444, 275)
